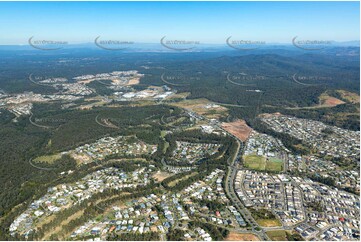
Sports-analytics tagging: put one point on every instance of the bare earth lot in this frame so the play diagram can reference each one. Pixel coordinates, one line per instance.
(238, 128)
(328, 101)
(204, 107)
(160, 176)
(233, 236)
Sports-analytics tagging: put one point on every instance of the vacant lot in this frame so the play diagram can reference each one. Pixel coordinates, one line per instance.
(349, 96)
(238, 128)
(328, 101)
(204, 107)
(234, 236)
(265, 218)
(277, 235)
(260, 163)
(160, 175)
(268, 222)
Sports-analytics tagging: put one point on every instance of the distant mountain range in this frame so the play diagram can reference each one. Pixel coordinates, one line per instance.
(158, 47)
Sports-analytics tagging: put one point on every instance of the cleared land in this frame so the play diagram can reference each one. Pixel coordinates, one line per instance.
(160, 176)
(133, 81)
(269, 222)
(48, 158)
(260, 163)
(277, 235)
(238, 128)
(181, 95)
(328, 101)
(234, 236)
(204, 107)
(325, 101)
(265, 218)
(349, 96)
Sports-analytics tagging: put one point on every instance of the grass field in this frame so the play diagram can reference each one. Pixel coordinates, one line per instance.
(274, 164)
(260, 163)
(277, 235)
(269, 222)
(255, 162)
(48, 158)
(163, 133)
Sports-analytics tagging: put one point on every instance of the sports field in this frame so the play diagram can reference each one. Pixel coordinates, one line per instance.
(261, 163)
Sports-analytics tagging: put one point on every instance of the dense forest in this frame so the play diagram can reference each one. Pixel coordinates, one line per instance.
(22, 141)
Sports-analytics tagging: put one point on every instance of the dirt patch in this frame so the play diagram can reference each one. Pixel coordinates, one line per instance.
(328, 101)
(160, 176)
(80, 159)
(133, 81)
(238, 128)
(204, 107)
(233, 236)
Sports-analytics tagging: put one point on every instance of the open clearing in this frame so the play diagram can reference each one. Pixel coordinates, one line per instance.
(260, 163)
(161, 175)
(325, 101)
(255, 162)
(234, 236)
(181, 95)
(48, 158)
(349, 96)
(238, 128)
(204, 107)
(274, 164)
(277, 235)
(265, 218)
(328, 101)
(133, 81)
(269, 222)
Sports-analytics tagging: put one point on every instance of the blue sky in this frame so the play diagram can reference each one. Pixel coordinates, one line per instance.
(207, 22)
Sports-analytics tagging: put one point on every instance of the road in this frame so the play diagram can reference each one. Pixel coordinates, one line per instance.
(234, 166)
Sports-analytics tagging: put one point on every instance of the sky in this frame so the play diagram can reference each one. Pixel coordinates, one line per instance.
(207, 22)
